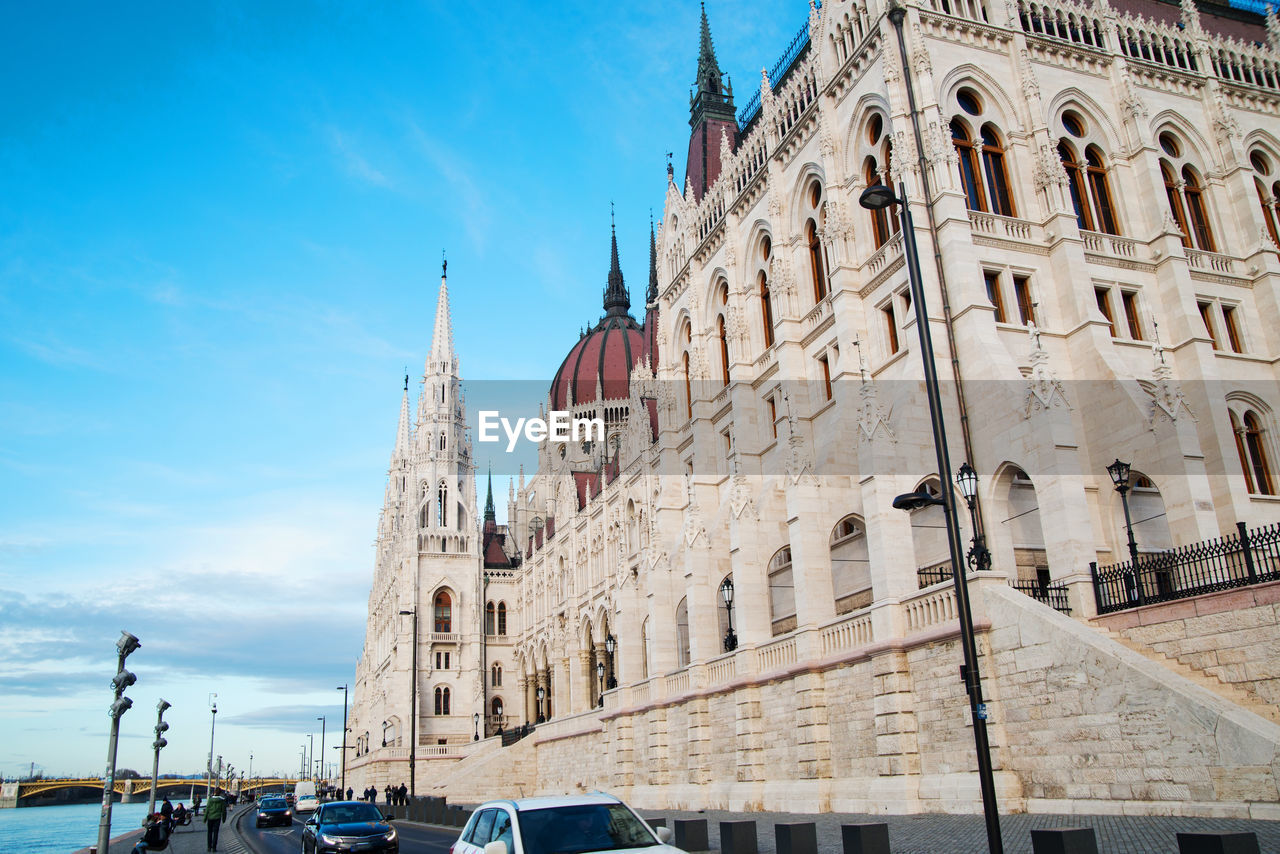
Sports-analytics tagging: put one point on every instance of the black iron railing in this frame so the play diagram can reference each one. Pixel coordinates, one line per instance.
(928, 575)
(1053, 594)
(777, 75)
(511, 736)
(1248, 557)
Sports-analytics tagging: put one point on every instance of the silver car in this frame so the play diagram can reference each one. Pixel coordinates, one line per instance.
(560, 825)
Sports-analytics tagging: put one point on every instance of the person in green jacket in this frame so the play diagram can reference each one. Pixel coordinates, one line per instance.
(214, 812)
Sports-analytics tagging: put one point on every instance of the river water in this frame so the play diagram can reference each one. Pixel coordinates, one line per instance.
(64, 828)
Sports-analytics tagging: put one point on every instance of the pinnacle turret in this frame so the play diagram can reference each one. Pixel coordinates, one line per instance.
(651, 295)
(490, 512)
(402, 431)
(708, 67)
(617, 300)
(442, 340)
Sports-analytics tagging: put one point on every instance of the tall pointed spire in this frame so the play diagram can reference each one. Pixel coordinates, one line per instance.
(442, 340)
(651, 295)
(711, 112)
(402, 431)
(708, 68)
(490, 513)
(617, 300)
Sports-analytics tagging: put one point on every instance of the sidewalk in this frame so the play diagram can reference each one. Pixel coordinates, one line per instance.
(189, 839)
(967, 834)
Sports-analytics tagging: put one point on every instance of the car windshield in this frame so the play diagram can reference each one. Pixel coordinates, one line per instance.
(349, 813)
(585, 827)
(273, 803)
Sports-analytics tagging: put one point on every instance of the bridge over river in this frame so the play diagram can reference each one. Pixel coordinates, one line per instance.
(34, 792)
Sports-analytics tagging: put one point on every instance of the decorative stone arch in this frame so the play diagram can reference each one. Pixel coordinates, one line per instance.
(683, 649)
(1076, 99)
(1002, 109)
(868, 104)
(711, 305)
(1146, 508)
(932, 554)
(1019, 539)
(1253, 423)
(444, 604)
(753, 261)
(1202, 152)
(850, 564)
(780, 576)
(798, 203)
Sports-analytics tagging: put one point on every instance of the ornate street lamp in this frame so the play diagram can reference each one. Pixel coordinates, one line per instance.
(600, 679)
(610, 644)
(476, 718)
(157, 745)
(1119, 472)
(541, 693)
(979, 556)
(726, 593)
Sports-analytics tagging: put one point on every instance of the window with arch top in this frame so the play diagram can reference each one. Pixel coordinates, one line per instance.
(442, 505)
(1185, 194)
(489, 613)
(766, 296)
(1252, 440)
(442, 701)
(502, 618)
(443, 612)
(1268, 188)
(782, 592)
(817, 267)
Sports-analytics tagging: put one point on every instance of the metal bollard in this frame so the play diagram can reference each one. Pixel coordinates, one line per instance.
(865, 838)
(1218, 843)
(691, 834)
(738, 837)
(798, 837)
(1064, 840)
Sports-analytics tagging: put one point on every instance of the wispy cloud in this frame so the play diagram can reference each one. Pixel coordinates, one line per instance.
(456, 173)
(353, 161)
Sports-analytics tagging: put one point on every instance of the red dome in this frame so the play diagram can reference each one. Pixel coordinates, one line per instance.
(605, 356)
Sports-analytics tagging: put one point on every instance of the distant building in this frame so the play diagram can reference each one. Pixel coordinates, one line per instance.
(1100, 261)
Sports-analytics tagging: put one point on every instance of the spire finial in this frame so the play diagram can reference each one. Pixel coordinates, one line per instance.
(406, 379)
(490, 514)
(442, 338)
(616, 299)
(444, 264)
(651, 295)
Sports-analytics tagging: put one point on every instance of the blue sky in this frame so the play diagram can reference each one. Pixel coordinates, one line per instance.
(220, 238)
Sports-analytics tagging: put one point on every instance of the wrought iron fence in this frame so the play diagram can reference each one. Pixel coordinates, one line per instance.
(1248, 557)
(511, 736)
(1052, 594)
(939, 572)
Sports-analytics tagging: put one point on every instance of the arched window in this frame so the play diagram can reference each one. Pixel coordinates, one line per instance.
(816, 268)
(724, 350)
(850, 565)
(495, 676)
(444, 612)
(502, 619)
(688, 386)
(879, 216)
(1268, 205)
(1100, 189)
(1200, 229)
(682, 633)
(495, 707)
(1171, 193)
(442, 505)
(999, 193)
(969, 172)
(442, 441)
(1251, 445)
(766, 309)
(782, 592)
(488, 618)
(442, 701)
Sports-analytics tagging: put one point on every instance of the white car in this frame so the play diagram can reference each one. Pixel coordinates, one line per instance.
(563, 825)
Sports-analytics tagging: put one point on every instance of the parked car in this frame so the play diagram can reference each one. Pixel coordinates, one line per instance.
(344, 826)
(274, 811)
(566, 825)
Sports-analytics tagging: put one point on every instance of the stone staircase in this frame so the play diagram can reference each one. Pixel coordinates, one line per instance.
(497, 772)
(1227, 691)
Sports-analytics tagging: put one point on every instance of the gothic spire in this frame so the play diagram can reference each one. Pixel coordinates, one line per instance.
(442, 340)
(402, 431)
(651, 295)
(708, 68)
(616, 299)
(490, 514)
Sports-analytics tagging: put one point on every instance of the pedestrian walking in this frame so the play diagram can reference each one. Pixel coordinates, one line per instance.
(404, 794)
(214, 812)
(350, 792)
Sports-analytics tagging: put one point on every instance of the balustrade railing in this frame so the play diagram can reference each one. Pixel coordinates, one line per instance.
(931, 609)
(1214, 262)
(1069, 22)
(776, 655)
(1248, 557)
(1109, 244)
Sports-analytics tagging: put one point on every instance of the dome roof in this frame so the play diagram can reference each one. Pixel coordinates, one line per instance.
(603, 357)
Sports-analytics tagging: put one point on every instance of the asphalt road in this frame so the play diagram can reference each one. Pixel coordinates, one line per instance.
(414, 838)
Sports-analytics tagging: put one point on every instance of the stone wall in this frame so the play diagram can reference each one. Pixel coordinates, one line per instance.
(1233, 635)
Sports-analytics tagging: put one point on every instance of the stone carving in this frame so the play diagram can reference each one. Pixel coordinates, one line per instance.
(1030, 84)
(1048, 169)
(1131, 102)
(740, 502)
(920, 55)
(1044, 389)
(1167, 400)
(695, 533)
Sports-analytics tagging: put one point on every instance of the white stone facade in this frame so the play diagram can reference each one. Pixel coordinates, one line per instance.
(1064, 348)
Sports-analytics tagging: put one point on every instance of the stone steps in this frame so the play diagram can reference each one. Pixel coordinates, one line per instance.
(1227, 691)
(506, 772)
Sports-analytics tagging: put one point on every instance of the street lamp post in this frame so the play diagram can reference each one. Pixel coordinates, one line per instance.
(476, 719)
(879, 197)
(600, 679)
(610, 644)
(541, 693)
(311, 756)
(323, 722)
(123, 679)
(250, 770)
(413, 703)
(157, 745)
(1120, 477)
(213, 722)
(343, 689)
(979, 556)
(726, 593)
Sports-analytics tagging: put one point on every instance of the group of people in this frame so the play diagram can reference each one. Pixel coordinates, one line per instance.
(393, 795)
(159, 826)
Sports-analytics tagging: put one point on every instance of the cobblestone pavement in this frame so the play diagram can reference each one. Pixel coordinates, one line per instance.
(967, 834)
(190, 839)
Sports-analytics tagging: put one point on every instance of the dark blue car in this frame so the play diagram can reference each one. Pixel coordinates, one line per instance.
(274, 811)
(345, 826)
